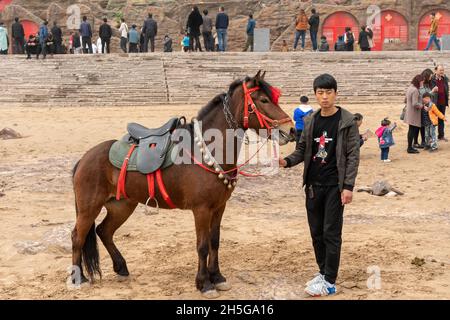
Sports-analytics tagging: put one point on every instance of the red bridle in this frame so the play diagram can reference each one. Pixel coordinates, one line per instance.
(250, 107)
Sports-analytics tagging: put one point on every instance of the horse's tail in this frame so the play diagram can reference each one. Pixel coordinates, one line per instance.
(90, 254)
(91, 257)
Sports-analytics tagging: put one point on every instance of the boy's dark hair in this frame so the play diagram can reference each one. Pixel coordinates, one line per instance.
(105, 20)
(122, 19)
(304, 99)
(426, 95)
(16, 19)
(205, 12)
(250, 16)
(358, 116)
(84, 18)
(313, 11)
(150, 15)
(325, 81)
(323, 38)
(385, 122)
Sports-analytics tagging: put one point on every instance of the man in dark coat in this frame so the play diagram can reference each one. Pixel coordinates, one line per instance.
(314, 22)
(57, 38)
(150, 31)
(364, 36)
(195, 20)
(86, 34)
(105, 34)
(18, 35)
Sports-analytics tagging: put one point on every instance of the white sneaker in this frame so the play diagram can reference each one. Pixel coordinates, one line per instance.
(317, 277)
(387, 161)
(321, 289)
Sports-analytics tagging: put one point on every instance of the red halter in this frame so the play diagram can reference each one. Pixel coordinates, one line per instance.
(250, 107)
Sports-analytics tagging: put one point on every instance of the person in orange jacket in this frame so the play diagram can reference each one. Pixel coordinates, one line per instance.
(430, 116)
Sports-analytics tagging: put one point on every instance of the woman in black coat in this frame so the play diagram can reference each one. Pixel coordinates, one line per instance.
(195, 20)
(364, 37)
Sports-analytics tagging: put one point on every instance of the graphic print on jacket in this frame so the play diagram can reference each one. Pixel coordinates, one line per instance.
(323, 166)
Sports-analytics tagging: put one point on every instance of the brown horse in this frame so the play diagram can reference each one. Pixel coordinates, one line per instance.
(190, 186)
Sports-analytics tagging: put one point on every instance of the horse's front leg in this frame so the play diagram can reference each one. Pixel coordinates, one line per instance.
(219, 281)
(202, 218)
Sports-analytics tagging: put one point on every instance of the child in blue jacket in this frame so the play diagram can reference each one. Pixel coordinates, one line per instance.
(300, 113)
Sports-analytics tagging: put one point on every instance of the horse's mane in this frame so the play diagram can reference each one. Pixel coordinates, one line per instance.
(215, 102)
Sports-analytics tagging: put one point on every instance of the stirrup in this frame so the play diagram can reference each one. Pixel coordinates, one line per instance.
(149, 212)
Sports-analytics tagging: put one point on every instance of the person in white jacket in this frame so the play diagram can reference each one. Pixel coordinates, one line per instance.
(123, 35)
(99, 45)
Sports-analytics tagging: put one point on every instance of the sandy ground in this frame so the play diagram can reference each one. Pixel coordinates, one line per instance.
(266, 250)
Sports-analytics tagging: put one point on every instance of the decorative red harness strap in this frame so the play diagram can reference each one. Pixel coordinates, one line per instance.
(264, 121)
(123, 175)
(150, 182)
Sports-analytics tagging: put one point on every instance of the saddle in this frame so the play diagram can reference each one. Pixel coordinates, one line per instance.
(152, 146)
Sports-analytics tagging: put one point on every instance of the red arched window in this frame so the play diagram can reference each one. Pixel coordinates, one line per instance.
(424, 27)
(4, 3)
(393, 29)
(29, 28)
(335, 24)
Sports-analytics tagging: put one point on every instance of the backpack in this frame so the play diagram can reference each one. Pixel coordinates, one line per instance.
(350, 38)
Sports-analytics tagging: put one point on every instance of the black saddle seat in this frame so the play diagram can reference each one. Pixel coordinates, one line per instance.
(139, 132)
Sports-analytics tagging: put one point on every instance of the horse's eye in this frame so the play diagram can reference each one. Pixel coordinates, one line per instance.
(264, 100)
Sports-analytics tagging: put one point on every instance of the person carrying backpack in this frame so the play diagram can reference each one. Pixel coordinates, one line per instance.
(349, 39)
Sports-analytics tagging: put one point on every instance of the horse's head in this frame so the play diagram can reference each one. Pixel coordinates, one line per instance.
(261, 110)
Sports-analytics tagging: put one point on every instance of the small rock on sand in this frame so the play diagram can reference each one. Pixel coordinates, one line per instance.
(8, 133)
(418, 261)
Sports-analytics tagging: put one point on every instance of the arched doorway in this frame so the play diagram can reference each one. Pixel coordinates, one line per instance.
(29, 27)
(393, 29)
(335, 24)
(4, 3)
(424, 27)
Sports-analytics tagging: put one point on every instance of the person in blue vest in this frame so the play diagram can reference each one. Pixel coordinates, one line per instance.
(43, 36)
(303, 110)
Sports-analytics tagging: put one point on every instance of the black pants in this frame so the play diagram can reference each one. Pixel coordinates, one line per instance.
(325, 218)
(123, 44)
(32, 50)
(133, 48)
(198, 45)
(298, 135)
(441, 125)
(87, 41)
(422, 136)
(208, 41)
(105, 44)
(152, 43)
(412, 133)
(18, 45)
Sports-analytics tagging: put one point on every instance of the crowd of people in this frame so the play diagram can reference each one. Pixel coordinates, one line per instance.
(198, 25)
(427, 99)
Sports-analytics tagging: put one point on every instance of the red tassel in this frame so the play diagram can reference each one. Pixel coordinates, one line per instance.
(276, 94)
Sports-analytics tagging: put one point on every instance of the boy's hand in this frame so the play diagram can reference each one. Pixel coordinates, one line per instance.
(282, 162)
(346, 197)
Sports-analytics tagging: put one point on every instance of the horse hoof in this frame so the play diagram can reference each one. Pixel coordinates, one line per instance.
(121, 278)
(211, 294)
(223, 286)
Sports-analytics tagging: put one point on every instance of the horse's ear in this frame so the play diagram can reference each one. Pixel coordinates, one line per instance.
(263, 75)
(257, 78)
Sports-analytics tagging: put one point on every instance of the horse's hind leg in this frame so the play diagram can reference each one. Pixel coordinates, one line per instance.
(118, 213)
